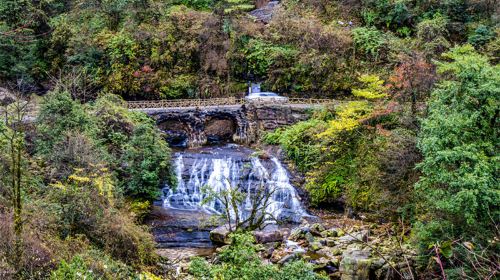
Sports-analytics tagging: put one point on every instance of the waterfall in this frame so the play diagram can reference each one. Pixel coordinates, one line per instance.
(221, 169)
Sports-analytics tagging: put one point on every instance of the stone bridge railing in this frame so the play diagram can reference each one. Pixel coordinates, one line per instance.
(217, 102)
(31, 111)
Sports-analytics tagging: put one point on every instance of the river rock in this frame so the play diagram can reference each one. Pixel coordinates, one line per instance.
(220, 235)
(309, 237)
(330, 242)
(356, 262)
(268, 252)
(298, 233)
(336, 251)
(361, 236)
(267, 236)
(279, 254)
(315, 246)
(265, 12)
(330, 232)
(6, 97)
(289, 258)
(316, 229)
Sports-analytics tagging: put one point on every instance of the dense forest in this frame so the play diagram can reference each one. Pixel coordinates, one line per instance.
(413, 145)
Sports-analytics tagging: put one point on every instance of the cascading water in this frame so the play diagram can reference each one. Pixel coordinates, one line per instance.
(232, 166)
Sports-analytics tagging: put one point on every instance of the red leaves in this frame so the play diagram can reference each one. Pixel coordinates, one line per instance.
(413, 75)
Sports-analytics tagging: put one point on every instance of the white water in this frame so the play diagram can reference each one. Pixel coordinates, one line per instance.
(224, 170)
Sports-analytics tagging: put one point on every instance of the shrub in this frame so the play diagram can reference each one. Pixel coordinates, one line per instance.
(481, 36)
(299, 143)
(92, 264)
(241, 261)
(75, 269)
(60, 114)
(432, 34)
(368, 40)
(374, 87)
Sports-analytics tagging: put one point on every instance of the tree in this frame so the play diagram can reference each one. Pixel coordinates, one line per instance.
(459, 143)
(239, 212)
(12, 134)
(413, 79)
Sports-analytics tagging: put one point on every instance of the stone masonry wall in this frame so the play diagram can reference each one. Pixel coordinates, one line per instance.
(243, 124)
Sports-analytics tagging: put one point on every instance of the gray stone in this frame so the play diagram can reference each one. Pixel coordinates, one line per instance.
(266, 236)
(296, 234)
(265, 13)
(243, 124)
(356, 263)
(309, 237)
(377, 263)
(289, 258)
(329, 233)
(220, 235)
(336, 251)
(316, 229)
(361, 236)
(330, 242)
(315, 246)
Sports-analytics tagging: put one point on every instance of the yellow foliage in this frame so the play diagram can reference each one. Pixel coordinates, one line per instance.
(347, 118)
(148, 276)
(374, 87)
(59, 185)
(102, 181)
(79, 179)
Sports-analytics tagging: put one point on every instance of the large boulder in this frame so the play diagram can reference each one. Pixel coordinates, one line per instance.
(356, 263)
(220, 235)
(267, 236)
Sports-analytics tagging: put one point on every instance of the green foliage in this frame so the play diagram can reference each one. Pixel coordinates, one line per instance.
(386, 13)
(198, 4)
(180, 86)
(481, 36)
(75, 269)
(74, 136)
(85, 206)
(199, 48)
(59, 115)
(299, 143)
(241, 261)
(262, 55)
(368, 40)
(349, 156)
(459, 142)
(432, 34)
(236, 6)
(92, 264)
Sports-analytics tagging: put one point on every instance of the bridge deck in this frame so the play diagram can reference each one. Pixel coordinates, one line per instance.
(225, 102)
(212, 103)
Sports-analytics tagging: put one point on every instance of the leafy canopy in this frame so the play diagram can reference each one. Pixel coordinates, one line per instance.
(459, 142)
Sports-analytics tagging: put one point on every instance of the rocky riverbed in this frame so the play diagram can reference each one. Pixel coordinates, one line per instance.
(343, 248)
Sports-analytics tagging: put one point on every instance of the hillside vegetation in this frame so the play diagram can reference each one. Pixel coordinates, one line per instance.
(415, 142)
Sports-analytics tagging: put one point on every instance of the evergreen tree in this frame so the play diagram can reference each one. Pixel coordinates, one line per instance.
(459, 142)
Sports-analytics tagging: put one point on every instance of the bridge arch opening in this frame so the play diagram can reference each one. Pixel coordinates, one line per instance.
(176, 133)
(220, 129)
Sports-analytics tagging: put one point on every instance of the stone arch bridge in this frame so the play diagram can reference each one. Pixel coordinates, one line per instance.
(196, 122)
